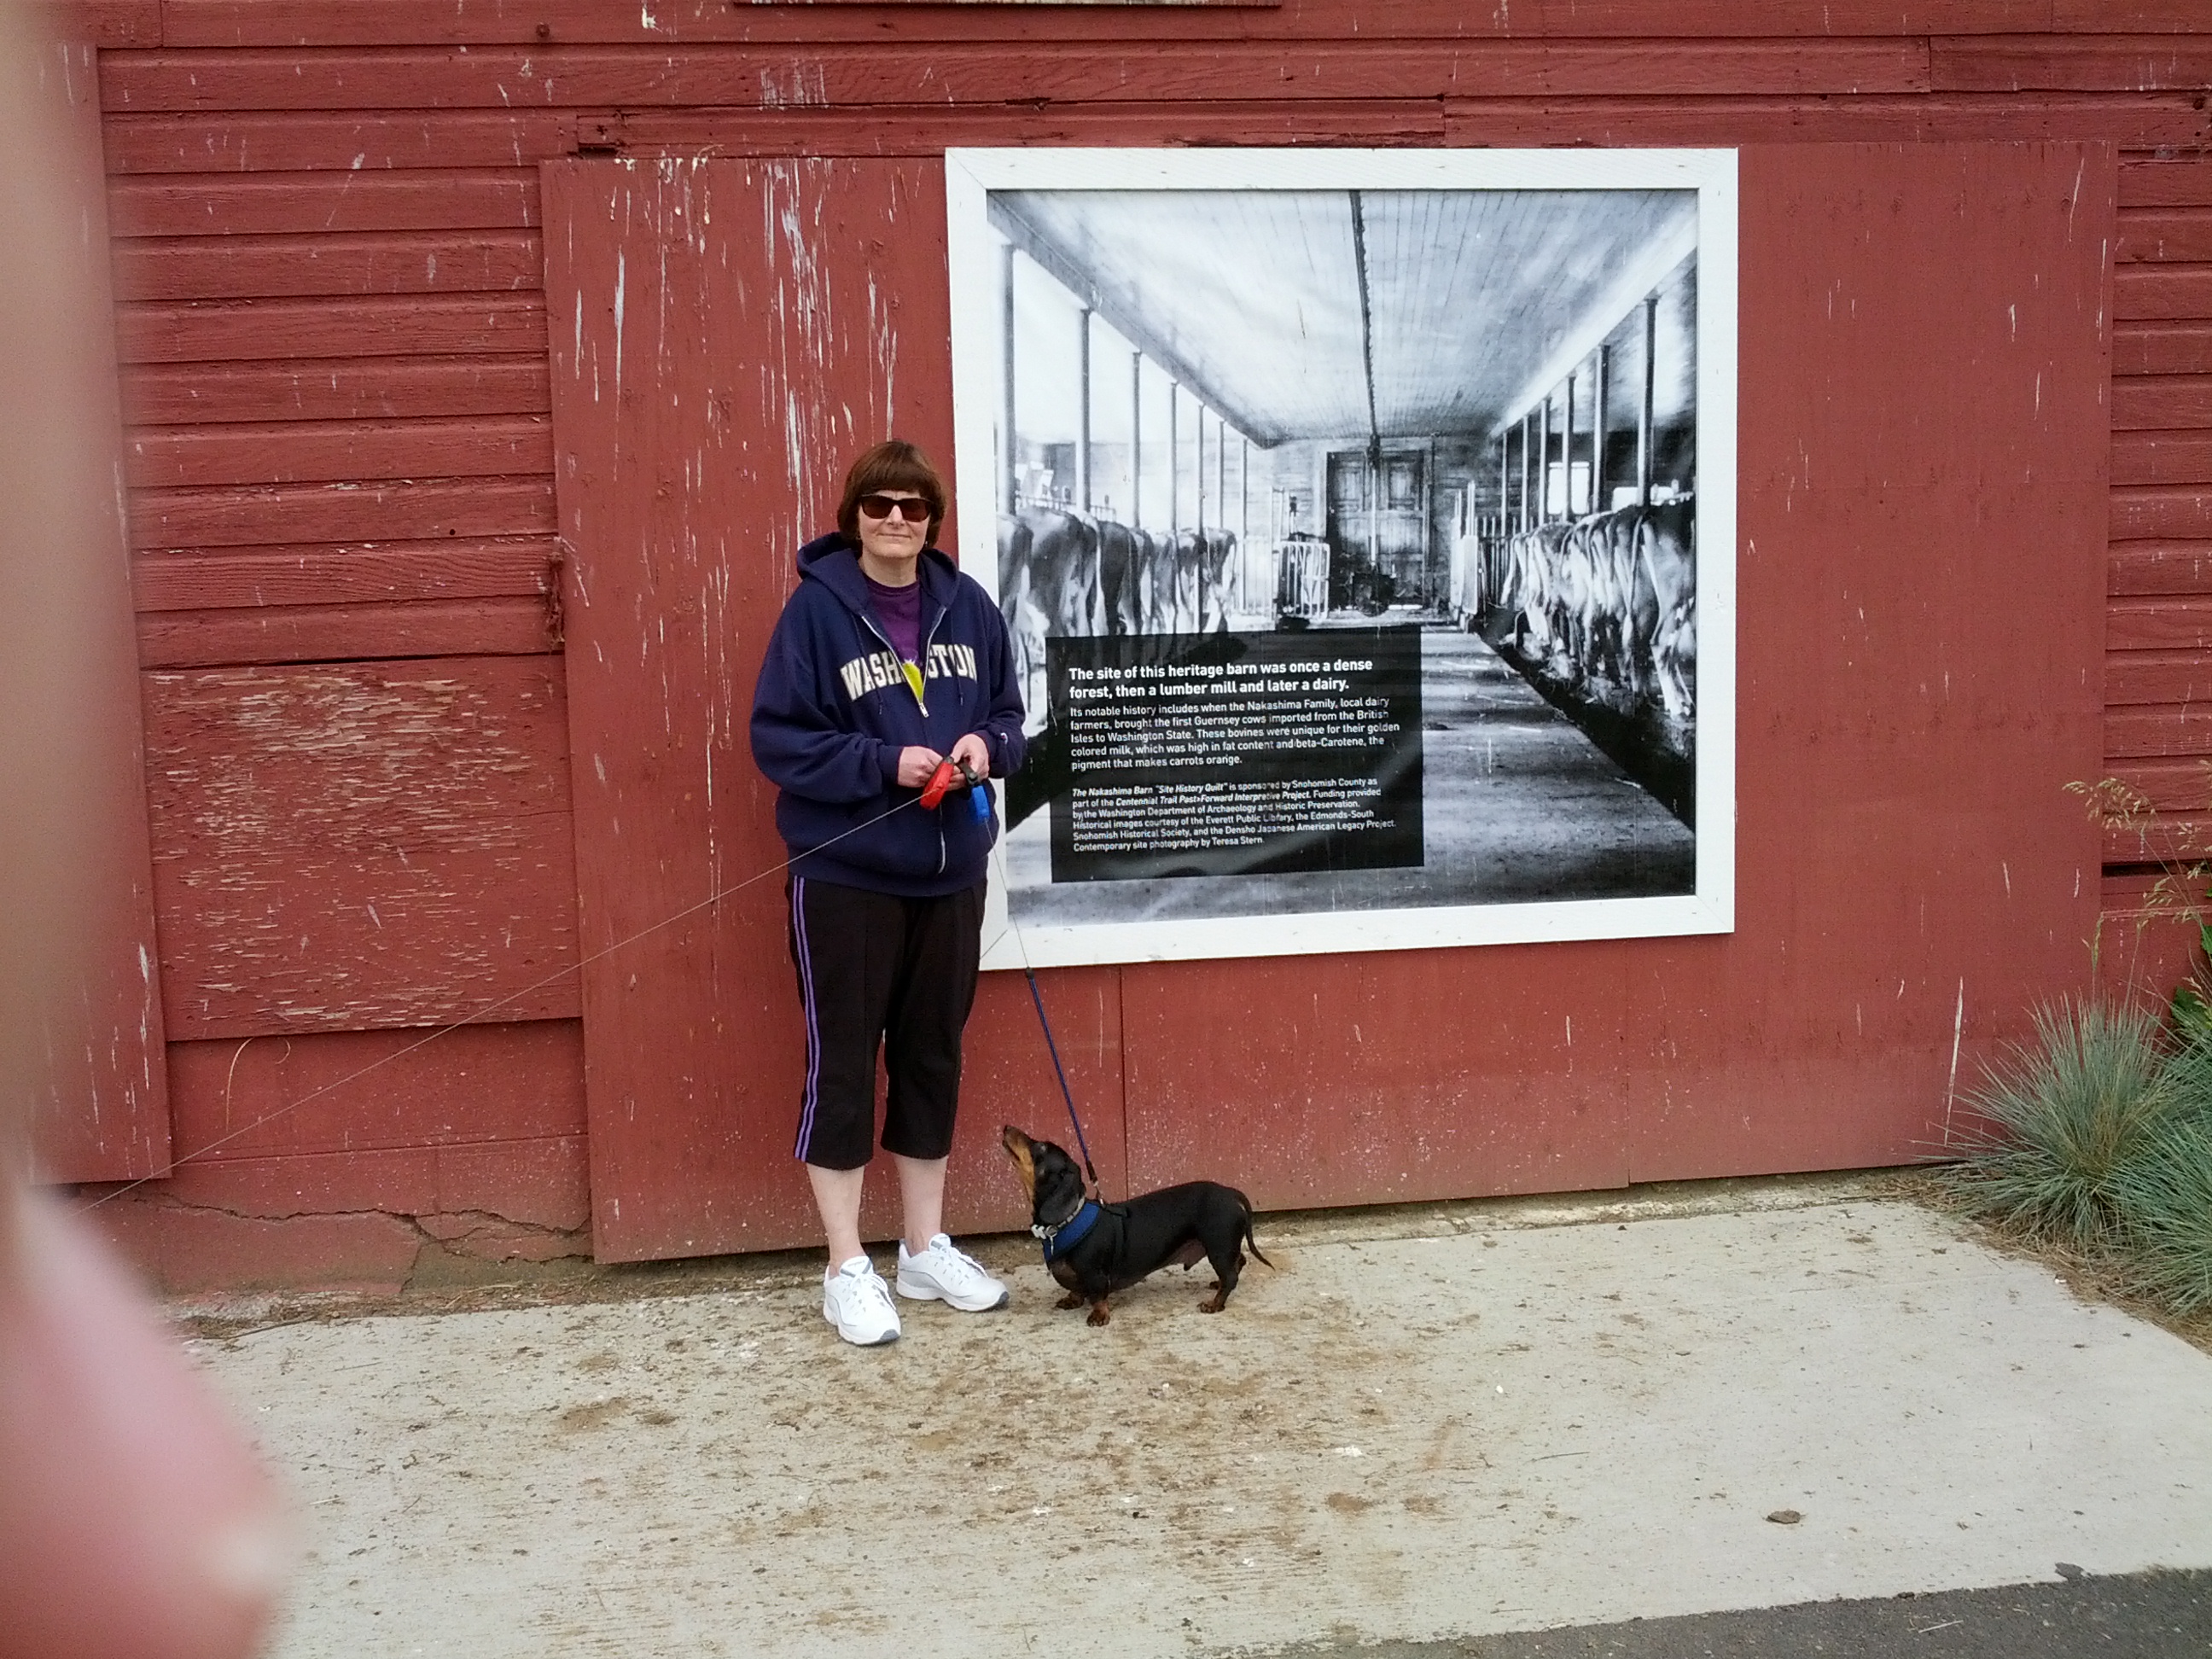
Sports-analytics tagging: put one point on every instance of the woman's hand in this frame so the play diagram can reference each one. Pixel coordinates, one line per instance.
(975, 752)
(917, 764)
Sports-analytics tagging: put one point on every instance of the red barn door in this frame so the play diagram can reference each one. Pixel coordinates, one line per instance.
(726, 335)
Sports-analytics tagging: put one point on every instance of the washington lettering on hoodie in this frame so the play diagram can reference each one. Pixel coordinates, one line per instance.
(879, 669)
(834, 706)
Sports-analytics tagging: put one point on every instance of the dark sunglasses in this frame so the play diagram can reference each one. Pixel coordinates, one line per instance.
(913, 509)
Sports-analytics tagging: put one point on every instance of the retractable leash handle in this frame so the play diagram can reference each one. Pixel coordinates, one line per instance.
(940, 781)
(979, 797)
(948, 774)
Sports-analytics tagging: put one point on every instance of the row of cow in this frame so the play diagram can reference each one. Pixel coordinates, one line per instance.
(1611, 598)
(1092, 575)
(1063, 573)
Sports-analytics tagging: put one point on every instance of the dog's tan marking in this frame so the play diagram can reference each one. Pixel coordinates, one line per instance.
(1018, 1148)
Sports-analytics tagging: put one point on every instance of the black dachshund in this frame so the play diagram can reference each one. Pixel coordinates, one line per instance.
(1096, 1249)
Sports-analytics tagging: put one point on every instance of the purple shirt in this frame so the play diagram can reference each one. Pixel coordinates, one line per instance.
(899, 610)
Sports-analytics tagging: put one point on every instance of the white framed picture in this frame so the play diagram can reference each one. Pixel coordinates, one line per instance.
(1365, 523)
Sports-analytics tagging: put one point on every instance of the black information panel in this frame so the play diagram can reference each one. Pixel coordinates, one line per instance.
(1236, 754)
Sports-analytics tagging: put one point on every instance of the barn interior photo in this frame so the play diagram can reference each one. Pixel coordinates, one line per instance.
(1451, 410)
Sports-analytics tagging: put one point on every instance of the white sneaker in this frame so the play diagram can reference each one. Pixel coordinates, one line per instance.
(858, 1304)
(942, 1273)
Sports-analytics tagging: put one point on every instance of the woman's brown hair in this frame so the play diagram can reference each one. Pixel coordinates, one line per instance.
(892, 465)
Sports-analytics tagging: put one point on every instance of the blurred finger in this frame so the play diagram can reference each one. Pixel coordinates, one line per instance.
(134, 1518)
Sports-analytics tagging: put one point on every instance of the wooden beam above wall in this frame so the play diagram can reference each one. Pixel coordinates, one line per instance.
(295, 23)
(987, 73)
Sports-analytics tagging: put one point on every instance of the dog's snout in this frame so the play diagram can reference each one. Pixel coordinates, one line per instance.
(1020, 1148)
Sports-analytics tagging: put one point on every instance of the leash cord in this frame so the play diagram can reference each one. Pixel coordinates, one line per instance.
(480, 1014)
(1065, 1093)
(1021, 944)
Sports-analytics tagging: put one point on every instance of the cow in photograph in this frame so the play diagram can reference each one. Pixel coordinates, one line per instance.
(1466, 598)
(1575, 604)
(1155, 581)
(1076, 575)
(1607, 606)
(1130, 578)
(1604, 547)
(1027, 626)
(1174, 584)
(1059, 550)
(1667, 567)
(1619, 563)
(1122, 555)
(1536, 559)
(1189, 563)
(1216, 548)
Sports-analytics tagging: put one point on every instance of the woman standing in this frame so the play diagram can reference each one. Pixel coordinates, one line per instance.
(885, 662)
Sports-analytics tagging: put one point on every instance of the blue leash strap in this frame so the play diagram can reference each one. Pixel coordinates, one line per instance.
(1065, 1093)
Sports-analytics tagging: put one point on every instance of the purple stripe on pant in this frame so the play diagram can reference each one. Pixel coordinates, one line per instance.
(801, 953)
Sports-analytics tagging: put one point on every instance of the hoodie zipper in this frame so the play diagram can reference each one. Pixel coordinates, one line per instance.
(869, 623)
(943, 853)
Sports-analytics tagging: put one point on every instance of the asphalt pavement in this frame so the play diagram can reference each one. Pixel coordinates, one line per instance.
(2151, 1615)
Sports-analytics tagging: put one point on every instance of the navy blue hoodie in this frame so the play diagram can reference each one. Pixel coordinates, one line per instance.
(833, 709)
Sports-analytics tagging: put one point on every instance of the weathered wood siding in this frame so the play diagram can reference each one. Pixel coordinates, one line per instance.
(2159, 631)
(339, 455)
(328, 255)
(358, 845)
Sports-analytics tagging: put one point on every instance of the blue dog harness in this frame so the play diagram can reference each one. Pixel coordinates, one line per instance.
(1064, 1237)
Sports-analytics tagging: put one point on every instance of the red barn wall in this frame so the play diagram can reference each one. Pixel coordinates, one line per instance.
(330, 281)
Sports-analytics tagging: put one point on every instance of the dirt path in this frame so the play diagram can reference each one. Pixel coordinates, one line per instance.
(1493, 1427)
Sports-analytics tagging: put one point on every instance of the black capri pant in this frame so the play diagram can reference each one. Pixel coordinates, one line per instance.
(878, 970)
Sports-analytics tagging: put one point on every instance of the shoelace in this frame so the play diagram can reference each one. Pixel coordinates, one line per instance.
(870, 1288)
(952, 1265)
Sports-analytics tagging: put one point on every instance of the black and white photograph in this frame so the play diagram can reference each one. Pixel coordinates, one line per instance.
(1363, 526)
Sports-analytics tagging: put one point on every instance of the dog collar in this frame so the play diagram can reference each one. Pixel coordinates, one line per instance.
(1065, 1235)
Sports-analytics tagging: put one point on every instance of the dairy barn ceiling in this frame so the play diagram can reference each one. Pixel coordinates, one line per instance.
(1296, 313)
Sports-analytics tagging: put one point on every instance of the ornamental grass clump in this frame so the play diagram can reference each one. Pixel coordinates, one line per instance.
(2166, 1192)
(2096, 1139)
(2069, 1121)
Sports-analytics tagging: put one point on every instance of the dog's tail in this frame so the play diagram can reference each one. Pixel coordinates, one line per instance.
(1252, 1244)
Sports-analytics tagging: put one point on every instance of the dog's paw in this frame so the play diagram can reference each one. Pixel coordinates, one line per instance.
(1070, 1300)
(1214, 1303)
(1098, 1314)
